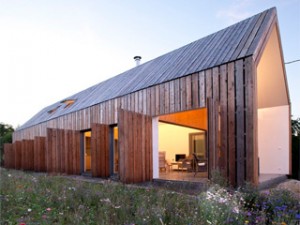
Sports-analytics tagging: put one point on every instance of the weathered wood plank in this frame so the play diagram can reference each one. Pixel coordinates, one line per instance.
(216, 88)
(177, 101)
(122, 144)
(188, 82)
(213, 114)
(208, 84)
(231, 125)
(167, 98)
(134, 147)
(39, 154)
(171, 96)
(195, 90)
(182, 93)
(202, 89)
(240, 123)
(224, 116)
(18, 151)
(161, 99)
(251, 151)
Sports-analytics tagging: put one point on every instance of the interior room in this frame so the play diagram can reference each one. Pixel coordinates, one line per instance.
(180, 136)
(115, 150)
(87, 151)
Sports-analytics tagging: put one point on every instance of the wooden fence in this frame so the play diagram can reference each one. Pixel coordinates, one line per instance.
(100, 163)
(59, 152)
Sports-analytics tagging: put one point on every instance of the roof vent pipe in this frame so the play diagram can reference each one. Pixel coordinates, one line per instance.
(137, 60)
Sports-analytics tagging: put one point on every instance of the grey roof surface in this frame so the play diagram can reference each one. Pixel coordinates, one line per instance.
(234, 42)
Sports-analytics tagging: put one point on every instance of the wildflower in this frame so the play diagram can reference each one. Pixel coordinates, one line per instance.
(222, 200)
(29, 210)
(297, 216)
(246, 222)
(236, 210)
(9, 175)
(283, 223)
(22, 224)
(48, 209)
(105, 200)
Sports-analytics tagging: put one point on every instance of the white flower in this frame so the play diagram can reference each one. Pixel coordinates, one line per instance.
(9, 175)
(29, 210)
(236, 210)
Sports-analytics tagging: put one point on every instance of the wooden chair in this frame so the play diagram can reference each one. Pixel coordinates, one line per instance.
(162, 161)
(187, 164)
(200, 164)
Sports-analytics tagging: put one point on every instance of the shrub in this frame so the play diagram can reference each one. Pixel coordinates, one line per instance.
(221, 206)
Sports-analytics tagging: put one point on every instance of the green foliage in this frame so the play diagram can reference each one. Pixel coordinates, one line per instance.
(6, 132)
(217, 178)
(41, 199)
(36, 198)
(221, 206)
(295, 124)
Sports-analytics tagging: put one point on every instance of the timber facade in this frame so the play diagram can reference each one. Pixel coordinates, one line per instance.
(216, 81)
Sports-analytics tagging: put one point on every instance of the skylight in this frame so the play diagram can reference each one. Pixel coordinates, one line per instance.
(68, 102)
(53, 110)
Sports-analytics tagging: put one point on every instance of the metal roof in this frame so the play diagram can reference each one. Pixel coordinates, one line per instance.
(232, 43)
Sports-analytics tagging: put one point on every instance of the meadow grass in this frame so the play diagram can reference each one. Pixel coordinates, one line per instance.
(36, 198)
(40, 199)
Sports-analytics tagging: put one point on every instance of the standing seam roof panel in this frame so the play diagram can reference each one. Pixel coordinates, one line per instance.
(237, 41)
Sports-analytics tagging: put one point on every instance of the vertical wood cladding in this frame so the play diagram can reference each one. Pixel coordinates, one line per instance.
(232, 85)
(135, 144)
(100, 151)
(63, 151)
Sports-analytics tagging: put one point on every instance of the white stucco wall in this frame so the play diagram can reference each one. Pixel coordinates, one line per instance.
(155, 147)
(273, 140)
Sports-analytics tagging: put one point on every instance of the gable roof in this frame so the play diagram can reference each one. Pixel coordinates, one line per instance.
(232, 43)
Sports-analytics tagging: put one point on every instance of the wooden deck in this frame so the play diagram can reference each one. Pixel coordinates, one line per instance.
(175, 175)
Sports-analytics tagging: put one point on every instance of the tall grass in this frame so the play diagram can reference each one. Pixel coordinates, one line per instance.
(31, 198)
(41, 199)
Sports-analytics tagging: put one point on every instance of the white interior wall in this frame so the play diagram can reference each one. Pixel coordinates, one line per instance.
(273, 140)
(174, 140)
(155, 147)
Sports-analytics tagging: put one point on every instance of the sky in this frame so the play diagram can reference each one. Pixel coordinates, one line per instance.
(50, 50)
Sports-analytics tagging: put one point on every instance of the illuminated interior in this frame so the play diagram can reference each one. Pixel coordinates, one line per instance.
(273, 109)
(87, 151)
(116, 150)
(179, 136)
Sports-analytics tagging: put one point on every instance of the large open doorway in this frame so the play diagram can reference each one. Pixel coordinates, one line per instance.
(182, 146)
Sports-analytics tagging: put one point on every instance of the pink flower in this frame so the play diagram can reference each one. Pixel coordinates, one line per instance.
(48, 209)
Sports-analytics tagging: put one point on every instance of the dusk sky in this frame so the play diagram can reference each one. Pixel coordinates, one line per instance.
(50, 50)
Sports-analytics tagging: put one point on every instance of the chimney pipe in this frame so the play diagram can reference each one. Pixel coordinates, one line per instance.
(137, 60)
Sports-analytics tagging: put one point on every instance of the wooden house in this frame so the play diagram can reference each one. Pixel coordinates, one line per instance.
(224, 97)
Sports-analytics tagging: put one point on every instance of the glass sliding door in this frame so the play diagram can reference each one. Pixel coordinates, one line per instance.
(198, 144)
